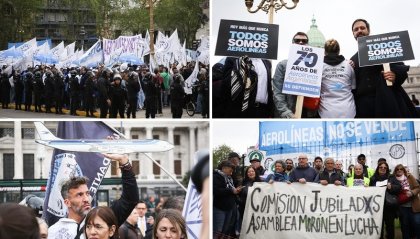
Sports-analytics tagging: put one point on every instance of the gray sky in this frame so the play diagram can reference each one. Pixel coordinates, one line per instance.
(240, 134)
(333, 17)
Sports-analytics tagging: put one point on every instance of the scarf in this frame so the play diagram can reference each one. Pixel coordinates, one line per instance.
(404, 182)
(228, 179)
(243, 79)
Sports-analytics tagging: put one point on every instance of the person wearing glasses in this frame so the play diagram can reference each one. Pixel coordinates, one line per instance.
(367, 172)
(285, 104)
(383, 178)
(338, 81)
(373, 98)
(303, 173)
(409, 210)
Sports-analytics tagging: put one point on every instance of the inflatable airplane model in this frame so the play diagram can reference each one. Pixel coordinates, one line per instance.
(98, 145)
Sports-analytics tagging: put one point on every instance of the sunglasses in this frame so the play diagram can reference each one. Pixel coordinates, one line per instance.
(297, 41)
(399, 169)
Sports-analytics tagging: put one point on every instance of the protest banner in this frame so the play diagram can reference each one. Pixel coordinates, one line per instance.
(384, 49)
(254, 39)
(67, 164)
(311, 210)
(341, 140)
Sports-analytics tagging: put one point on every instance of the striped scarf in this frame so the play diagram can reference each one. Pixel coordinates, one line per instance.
(243, 79)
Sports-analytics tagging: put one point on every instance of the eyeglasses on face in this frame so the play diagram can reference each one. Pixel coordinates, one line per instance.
(399, 169)
(302, 158)
(297, 41)
(383, 167)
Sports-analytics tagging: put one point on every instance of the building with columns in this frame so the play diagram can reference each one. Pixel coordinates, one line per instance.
(22, 159)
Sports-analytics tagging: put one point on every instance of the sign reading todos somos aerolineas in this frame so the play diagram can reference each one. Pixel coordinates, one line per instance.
(384, 48)
(254, 39)
(311, 210)
(304, 71)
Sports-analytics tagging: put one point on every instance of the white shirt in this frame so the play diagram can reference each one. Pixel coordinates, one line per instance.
(65, 228)
(140, 221)
(262, 95)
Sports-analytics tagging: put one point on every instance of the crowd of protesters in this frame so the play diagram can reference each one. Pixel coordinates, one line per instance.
(120, 91)
(231, 182)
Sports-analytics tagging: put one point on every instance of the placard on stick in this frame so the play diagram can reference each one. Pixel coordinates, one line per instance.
(384, 49)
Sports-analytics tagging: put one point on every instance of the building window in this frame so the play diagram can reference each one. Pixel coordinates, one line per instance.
(177, 139)
(136, 167)
(155, 136)
(28, 133)
(7, 131)
(8, 166)
(177, 167)
(135, 136)
(28, 166)
(156, 169)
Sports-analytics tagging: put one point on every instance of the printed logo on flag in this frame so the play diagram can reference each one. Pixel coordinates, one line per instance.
(65, 167)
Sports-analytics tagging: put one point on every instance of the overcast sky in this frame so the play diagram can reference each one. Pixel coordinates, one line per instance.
(333, 17)
(241, 134)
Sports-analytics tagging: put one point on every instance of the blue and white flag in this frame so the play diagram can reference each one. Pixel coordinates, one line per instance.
(93, 56)
(66, 164)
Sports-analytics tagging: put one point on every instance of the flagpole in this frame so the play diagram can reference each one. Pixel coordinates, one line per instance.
(168, 173)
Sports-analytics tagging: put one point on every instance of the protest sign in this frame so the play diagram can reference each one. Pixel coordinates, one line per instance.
(311, 210)
(341, 140)
(254, 39)
(304, 71)
(384, 48)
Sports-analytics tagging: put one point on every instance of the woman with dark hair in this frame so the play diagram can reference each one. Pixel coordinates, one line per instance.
(101, 223)
(169, 223)
(279, 174)
(251, 176)
(17, 221)
(410, 208)
(381, 178)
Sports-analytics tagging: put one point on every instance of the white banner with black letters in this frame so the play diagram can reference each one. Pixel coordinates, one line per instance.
(304, 71)
(311, 210)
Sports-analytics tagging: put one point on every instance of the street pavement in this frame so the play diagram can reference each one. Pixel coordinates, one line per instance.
(20, 114)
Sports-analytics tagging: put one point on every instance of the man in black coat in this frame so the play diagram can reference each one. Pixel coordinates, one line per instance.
(49, 91)
(151, 89)
(133, 88)
(89, 91)
(5, 90)
(18, 82)
(74, 92)
(373, 98)
(245, 102)
(104, 84)
(29, 86)
(38, 91)
(59, 92)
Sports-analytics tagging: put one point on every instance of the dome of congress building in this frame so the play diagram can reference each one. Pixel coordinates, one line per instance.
(316, 38)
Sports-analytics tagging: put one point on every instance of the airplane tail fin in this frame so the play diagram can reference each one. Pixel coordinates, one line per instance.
(44, 133)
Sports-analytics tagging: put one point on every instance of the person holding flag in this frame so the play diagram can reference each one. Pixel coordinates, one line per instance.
(78, 201)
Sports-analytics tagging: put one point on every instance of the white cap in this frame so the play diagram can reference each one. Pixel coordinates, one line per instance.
(117, 76)
(124, 67)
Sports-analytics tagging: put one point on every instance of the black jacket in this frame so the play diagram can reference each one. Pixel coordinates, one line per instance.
(224, 199)
(129, 197)
(374, 99)
(225, 107)
(128, 231)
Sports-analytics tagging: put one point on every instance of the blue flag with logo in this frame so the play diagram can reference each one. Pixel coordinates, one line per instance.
(66, 164)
